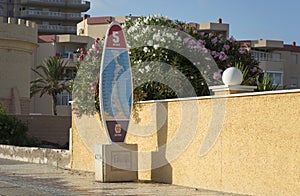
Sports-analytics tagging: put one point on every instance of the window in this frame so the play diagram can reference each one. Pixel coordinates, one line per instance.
(276, 76)
(293, 82)
(260, 56)
(263, 56)
(276, 57)
(294, 59)
(63, 98)
(10, 13)
(1, 10)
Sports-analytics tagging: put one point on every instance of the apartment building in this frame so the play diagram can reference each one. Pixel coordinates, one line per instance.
(52, 16)
(218, 27)
(97, 26)
(65, 47)
(281, 61)
(276, 58)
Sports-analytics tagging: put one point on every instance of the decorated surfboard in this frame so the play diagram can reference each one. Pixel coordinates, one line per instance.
(115, 86)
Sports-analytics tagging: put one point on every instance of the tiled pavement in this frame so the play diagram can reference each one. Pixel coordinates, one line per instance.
(18, 178)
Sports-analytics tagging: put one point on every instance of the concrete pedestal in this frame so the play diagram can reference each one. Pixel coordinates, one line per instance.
(231, 89)
(117, 162)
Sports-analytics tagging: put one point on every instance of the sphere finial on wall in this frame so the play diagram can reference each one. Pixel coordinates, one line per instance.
(232, 76)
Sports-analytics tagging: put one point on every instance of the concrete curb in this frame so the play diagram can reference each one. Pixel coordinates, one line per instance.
(53, 157)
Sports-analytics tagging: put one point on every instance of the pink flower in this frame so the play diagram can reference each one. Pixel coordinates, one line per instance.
(89, 52)
(186, 40)
(81, 51)
(226, 47)
(81, 57)
(217, 75)
(254, 69)
(95, 47)
(214, 41)
(205, 50)
(216, 54)
(242, 51)
(92, 86)
(223, 56)
(201, 42)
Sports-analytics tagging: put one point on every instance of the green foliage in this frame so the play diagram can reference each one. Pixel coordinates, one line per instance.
(50, 80)
(169, 59)
(199, 57)
(172, 77)
(13, 131)
(86, 84)
(266, 83)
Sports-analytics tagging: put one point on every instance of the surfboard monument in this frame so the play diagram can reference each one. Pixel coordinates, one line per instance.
(115, 87)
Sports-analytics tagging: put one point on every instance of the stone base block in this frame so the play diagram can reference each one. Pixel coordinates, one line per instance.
(231, 89)
(116, 162)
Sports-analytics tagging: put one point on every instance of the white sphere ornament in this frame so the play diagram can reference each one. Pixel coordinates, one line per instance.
(232, 76)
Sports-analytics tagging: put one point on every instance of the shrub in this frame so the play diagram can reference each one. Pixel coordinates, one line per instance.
(163, 40)
(13, 131)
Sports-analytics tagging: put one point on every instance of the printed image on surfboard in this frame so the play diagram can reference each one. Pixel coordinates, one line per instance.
(115, 89)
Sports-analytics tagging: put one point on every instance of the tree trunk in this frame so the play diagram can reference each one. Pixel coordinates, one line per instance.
(54, 100)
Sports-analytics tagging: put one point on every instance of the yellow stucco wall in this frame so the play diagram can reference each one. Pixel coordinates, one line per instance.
(86, 132)
(18, 43)
(256, 153)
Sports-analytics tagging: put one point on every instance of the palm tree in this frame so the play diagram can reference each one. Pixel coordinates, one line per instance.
(50, 80)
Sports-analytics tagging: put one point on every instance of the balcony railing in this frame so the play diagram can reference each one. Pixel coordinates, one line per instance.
(81, 5)
(73, 16)
(266, 56)
(44, 28)
(50, 15)
(42, 14)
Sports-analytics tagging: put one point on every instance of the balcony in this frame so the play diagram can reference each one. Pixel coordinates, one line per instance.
(79, 5)
(57, 29)
(267, 44)
(48, 15)
(73, 17)
(39, 14)
(44, 3)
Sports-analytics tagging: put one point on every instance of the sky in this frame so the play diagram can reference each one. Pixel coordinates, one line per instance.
(248, 19)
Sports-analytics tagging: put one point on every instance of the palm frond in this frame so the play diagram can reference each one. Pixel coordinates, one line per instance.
(50, 78)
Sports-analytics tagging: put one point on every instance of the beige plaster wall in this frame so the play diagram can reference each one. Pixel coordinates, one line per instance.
(18, 42)
(86, 132)
(256, 151)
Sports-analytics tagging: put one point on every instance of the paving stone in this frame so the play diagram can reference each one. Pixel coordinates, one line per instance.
(18, 178)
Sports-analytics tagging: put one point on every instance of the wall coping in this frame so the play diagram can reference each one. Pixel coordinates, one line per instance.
(223, 96)
(54, 157)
